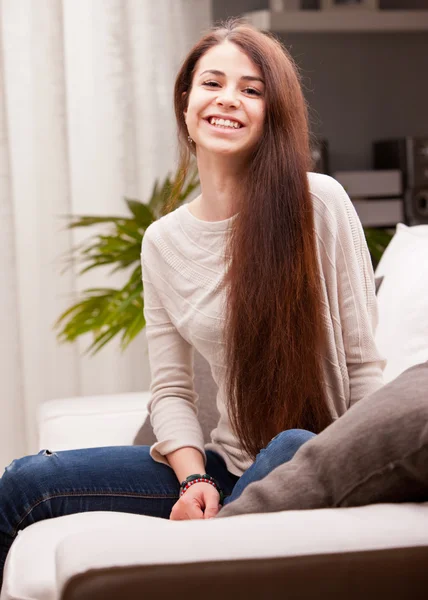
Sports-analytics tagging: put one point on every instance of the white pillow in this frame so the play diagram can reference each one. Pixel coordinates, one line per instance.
(402, 333)
(404, 236)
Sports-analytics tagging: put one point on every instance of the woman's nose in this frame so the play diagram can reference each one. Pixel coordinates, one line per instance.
(228, 97)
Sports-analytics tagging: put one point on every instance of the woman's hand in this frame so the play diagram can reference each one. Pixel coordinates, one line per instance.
(201, 501)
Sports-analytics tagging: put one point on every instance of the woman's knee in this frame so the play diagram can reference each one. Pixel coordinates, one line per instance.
(23, 482)
(28, 476)
(282, 448)
(290, 440)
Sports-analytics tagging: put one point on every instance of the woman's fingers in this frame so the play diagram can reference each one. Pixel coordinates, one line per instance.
(201, 501)
(212, 506)
(187, 508)
(211, 511)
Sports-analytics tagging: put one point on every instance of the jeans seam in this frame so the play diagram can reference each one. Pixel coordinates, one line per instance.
(110, 494)
(389, 466)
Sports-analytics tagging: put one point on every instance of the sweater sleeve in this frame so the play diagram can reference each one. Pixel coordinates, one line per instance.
(357, 300)
(172, 406)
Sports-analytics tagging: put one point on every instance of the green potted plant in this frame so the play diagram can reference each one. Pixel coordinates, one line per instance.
(108, 312)
(377, 241)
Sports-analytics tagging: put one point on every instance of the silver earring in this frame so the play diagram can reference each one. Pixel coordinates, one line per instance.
(189, 139)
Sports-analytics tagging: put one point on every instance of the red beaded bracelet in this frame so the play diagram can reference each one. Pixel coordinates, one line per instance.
(192, 479)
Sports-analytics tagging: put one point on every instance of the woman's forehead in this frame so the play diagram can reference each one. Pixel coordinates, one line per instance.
(229, 59)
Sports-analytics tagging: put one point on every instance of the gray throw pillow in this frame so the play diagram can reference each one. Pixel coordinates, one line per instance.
(208, 414)
(377, 452)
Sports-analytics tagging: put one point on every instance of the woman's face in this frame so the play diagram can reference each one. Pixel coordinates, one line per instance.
(226, 107)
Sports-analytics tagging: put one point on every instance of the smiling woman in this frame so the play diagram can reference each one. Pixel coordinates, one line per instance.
(239, 101)
(293, 318)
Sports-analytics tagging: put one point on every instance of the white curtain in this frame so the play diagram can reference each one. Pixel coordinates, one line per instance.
(86, 119)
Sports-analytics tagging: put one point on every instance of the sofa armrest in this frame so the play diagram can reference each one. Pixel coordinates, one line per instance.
(92, 421)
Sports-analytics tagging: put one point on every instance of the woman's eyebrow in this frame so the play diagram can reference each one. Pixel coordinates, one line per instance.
(221, 74)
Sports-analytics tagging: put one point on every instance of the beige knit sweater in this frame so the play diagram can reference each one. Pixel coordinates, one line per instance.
(183, 268)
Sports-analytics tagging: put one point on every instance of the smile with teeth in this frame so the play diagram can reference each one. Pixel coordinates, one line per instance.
(224, 123)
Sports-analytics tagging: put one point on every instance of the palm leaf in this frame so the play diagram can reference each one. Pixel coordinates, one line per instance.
(107, 312)
(142, 213)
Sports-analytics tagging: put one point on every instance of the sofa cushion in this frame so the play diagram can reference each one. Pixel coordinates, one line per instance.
(45, 555)
(91, 421)
(402, 333)
(277, 535)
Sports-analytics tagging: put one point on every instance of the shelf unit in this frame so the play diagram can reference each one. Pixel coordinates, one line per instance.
(340, 21)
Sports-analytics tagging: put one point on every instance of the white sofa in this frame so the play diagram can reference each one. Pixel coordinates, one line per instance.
(368, 552)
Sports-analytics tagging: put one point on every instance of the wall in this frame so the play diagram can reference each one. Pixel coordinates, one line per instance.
(222, 9)
(360, 87)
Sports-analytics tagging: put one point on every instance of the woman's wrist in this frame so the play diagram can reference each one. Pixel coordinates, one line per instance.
(201, 478)
(185, 461)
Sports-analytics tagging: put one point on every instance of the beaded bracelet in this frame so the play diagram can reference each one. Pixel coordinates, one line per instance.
(197, 478)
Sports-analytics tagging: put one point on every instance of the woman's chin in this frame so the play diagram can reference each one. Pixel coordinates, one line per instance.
(223, 148)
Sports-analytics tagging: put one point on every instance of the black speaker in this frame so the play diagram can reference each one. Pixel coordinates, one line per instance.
(416, 206)
(410, 155)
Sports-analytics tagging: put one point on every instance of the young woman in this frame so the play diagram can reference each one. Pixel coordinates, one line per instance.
(266, 274)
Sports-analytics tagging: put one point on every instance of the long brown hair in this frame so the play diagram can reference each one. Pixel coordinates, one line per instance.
(274, 335)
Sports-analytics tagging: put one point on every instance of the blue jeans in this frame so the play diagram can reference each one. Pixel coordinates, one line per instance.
(118, 478)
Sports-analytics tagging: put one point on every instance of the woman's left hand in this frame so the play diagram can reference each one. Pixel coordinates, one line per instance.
(201, 501)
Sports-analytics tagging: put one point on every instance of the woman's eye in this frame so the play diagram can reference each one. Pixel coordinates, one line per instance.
(253, 92)
(211, 83)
